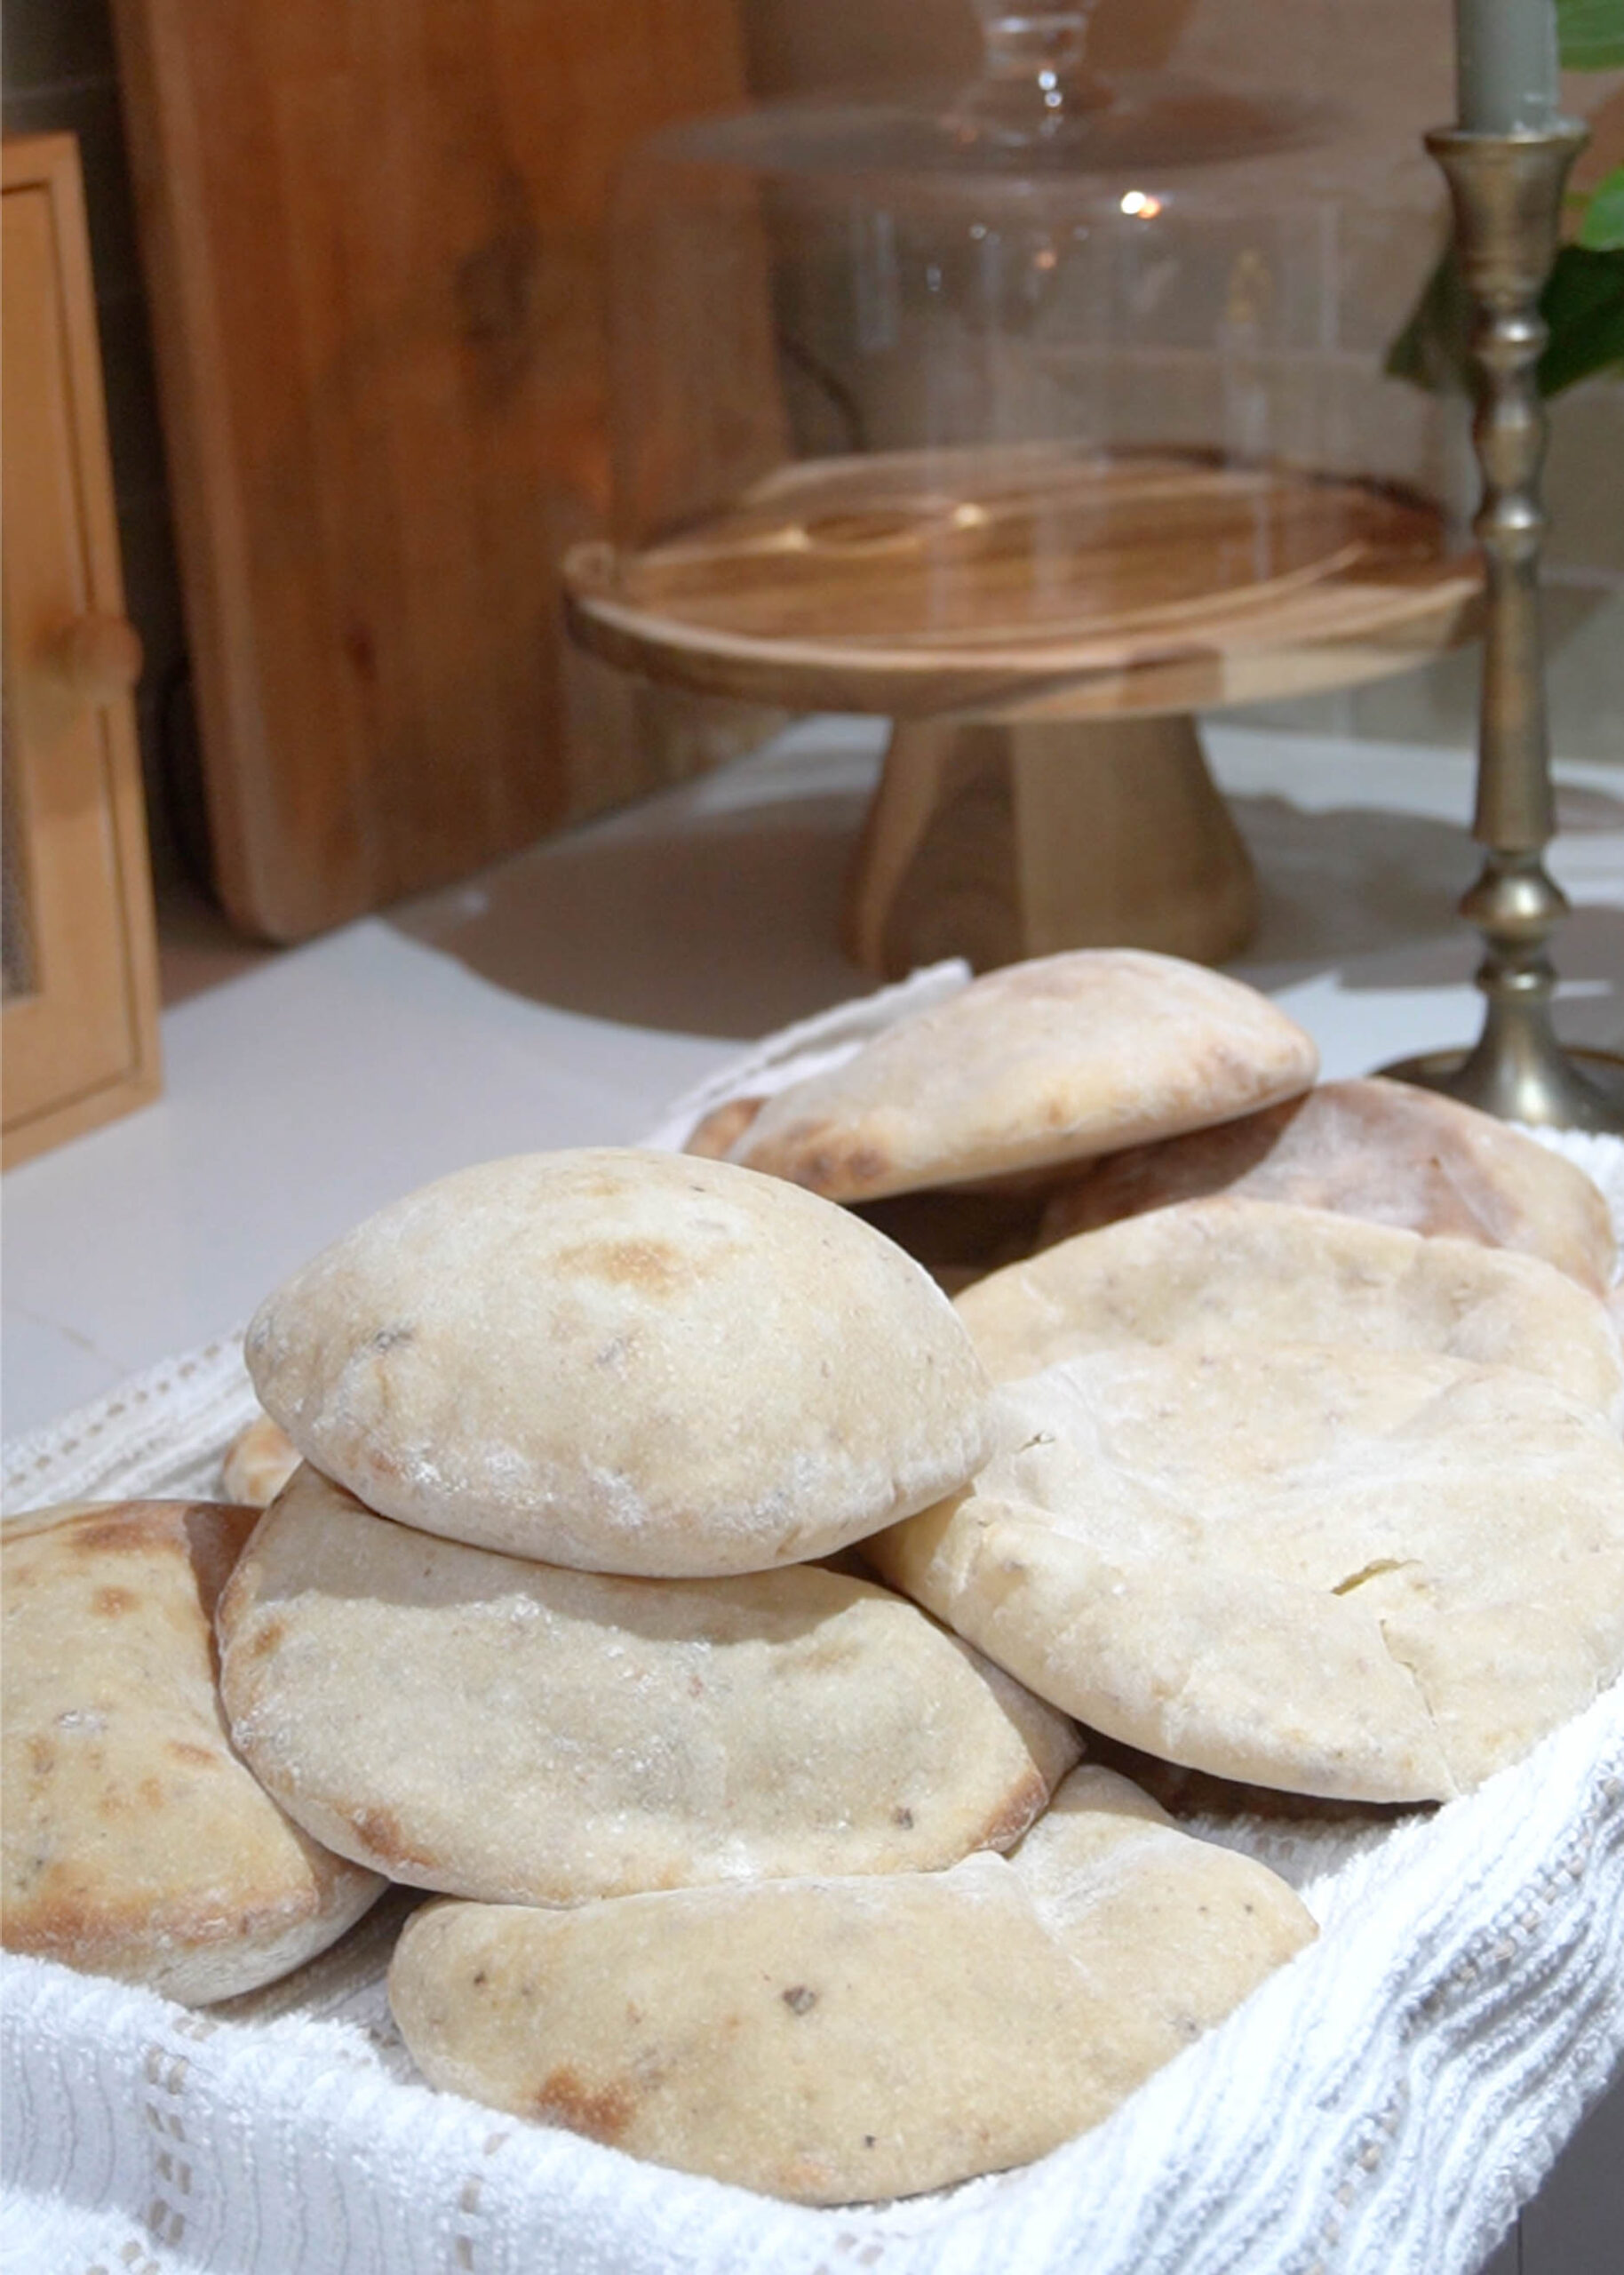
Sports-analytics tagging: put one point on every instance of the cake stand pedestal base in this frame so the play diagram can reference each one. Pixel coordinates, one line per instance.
(996, 841)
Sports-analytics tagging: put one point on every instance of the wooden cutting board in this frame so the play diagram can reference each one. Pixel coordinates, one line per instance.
(373, 235)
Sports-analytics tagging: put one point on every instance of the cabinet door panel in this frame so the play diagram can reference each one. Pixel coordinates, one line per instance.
(79, 1016)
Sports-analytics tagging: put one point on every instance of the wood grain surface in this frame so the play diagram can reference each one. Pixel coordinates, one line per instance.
(374, 238)
(1034, 579)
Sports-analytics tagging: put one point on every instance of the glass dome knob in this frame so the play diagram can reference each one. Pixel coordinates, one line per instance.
(1036, 82)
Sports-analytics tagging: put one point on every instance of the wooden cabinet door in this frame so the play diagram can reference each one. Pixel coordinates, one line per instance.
(80, 1016)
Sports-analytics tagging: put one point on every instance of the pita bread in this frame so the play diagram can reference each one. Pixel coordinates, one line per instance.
(1047, 1061)
(1228, 1272)
(630, 1734)
(1367, 1575)
(831, 2041)
(625, 1362)
(259, 1463)
(718, 1132)
(1377, 1149)
(136, 1844)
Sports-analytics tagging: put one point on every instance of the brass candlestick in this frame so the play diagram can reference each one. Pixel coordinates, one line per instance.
(1506, 190)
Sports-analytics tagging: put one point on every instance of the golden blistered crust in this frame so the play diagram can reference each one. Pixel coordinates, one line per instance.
(135, 1842)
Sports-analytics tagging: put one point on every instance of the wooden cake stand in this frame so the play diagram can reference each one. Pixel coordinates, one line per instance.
(1040, 622)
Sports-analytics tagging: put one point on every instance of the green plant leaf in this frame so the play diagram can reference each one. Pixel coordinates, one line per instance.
(1603, 226)
(1591, 33)
(1431, 351)
(1584, 306)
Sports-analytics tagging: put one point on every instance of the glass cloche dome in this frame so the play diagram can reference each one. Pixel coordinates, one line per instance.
(928, 402)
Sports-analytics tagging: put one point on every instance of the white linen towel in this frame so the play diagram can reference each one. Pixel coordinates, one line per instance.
(1379, 2107)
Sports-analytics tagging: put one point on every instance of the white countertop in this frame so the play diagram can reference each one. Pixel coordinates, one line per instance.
(566, 996)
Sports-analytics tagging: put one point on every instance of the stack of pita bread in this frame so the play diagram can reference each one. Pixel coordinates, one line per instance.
(743, 1860)
(1309, 1473)
(665, 1584)
(547, 1625)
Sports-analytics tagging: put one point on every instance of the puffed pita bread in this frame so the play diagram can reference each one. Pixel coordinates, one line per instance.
(259, 1463)
(1370, 1148)
(1045, 1061)
(628, 1734)
(1239, 1272)
(136, 1844)
(1372, 1575)
(625, 1362)
(831, 2040)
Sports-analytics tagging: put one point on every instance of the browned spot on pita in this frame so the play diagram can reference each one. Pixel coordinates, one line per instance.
(655, 1266)
(199, 1756)
(601, 2113)
(67, 1923)
(380, 1833)
(267, 1639)
(92, 1931)
(809, 2177)
(830, 1646)
(605, 1184)
(382, 1464)
(1023, 1804)
(824, 1161)
(715, 1135)
(41, 1756)
(110, 1602)
(140, 1525)
(867, 1164)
